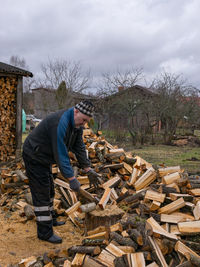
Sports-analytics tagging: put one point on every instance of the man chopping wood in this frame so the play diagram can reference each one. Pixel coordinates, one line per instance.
(49, 143)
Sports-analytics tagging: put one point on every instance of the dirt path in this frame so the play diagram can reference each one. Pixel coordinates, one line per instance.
(19, 240)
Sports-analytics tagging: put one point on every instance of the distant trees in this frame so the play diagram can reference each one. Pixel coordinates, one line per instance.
(61, 95)
(132, 111)
(66, 77)
(58, 70)
(170, 102)
(17, 62)
(128, 109)
(109, 84)
(173, 101)
(28, 82)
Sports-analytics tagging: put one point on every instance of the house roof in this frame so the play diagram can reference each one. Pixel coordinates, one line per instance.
(9, 69)
(81, 95)
(124, 91)
(43, 89)
(73, 94)
(195, 99)
(140, 88)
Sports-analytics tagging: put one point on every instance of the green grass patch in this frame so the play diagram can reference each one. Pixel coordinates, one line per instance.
(24, 135)
(187, 157)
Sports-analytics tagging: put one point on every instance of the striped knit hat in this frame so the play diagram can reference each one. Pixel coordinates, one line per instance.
(86, 107)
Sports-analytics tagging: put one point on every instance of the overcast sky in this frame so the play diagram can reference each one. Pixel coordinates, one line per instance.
(105, 34)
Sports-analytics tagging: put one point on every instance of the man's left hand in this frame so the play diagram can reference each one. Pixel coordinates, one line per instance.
(74, 185)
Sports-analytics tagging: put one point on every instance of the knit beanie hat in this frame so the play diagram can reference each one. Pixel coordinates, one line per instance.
(86, 107)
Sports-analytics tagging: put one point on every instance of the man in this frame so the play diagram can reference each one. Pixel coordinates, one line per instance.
(49, 143)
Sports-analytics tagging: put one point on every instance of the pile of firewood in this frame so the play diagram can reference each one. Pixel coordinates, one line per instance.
(8, 117)
(141, 215)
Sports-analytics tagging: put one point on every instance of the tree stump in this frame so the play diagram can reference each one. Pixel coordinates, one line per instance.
(107, 217)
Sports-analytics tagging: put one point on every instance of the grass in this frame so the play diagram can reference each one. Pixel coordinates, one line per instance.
(24, 135)
(161, 154)
(187, 157)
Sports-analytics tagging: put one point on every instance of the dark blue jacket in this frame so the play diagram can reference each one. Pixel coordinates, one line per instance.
(51, 140)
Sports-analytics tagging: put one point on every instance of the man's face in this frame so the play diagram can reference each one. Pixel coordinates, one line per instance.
(80, 119)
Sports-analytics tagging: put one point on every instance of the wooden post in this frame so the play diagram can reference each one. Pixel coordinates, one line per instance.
(19, 116)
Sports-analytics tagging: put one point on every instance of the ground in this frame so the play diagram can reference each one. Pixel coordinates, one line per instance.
(19, 240)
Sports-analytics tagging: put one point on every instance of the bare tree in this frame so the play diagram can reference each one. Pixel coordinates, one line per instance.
(56, 71)
(132, 112)
(110, 82)
(17, 61)
(28, 82)
(173, 101)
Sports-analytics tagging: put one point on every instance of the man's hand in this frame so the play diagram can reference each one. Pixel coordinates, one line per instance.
(74, 184)
(93, 178)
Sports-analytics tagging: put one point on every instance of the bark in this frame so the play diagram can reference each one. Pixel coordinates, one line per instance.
(28, 210)
(125, 241)
(84, 250)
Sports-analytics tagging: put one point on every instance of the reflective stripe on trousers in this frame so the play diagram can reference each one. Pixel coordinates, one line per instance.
(43, 218)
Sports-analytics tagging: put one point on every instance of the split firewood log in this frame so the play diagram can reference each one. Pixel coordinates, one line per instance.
(84, 250)
(192, 245)
(185, 264)
(101, 242)
(137, 196)
(78, 260)
(193, 258)
(119, 262)
(156, 252)
(29, 212)
(106, 258)
(92, 262)
(123, 240)
(136, 236)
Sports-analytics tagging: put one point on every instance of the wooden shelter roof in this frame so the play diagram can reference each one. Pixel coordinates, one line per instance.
(9, 69)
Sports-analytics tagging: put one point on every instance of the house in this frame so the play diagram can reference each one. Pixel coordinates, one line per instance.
(114, 109)
(11, 93)
(44, 101)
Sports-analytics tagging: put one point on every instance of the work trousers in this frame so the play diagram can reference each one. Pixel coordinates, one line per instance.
(42, 191)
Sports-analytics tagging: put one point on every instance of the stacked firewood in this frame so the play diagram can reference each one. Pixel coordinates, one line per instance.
(141, 215)
(12, 176)
(8, 87)
(158, 206)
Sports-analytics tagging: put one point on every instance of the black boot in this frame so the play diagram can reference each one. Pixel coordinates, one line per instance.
(54, 239)
(55, 223)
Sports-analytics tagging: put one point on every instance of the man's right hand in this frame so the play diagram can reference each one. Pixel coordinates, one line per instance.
(93, 178)
(74, 184)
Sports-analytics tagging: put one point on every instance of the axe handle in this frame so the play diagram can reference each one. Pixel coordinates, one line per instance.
(83, 192)
(87, 195)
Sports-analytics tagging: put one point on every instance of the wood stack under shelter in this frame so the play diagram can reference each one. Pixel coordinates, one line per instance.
(11, 92)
